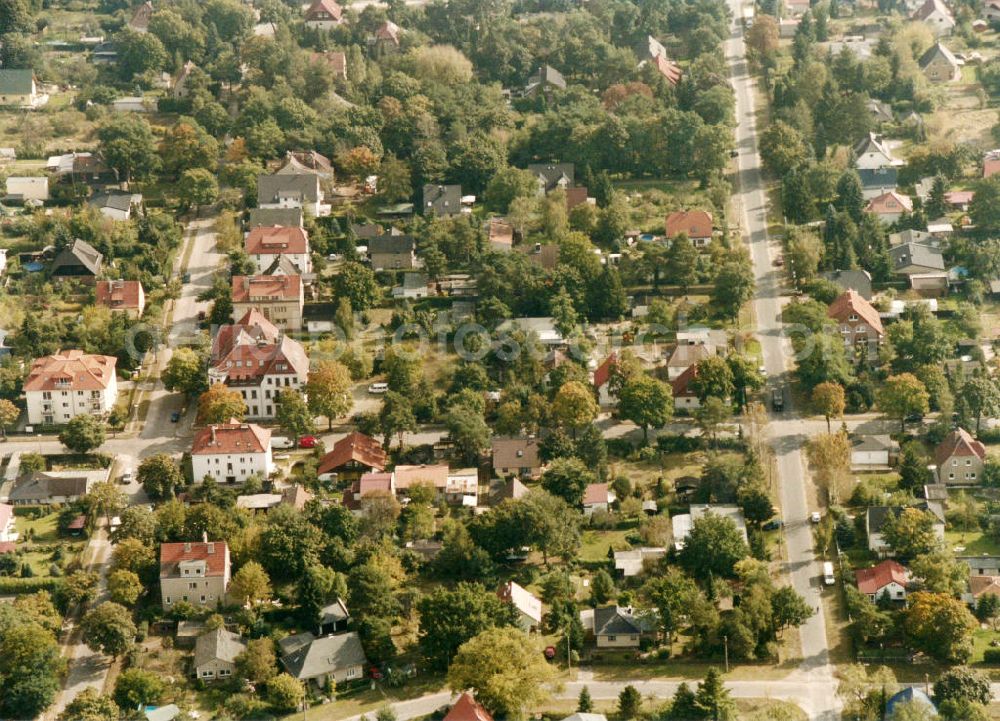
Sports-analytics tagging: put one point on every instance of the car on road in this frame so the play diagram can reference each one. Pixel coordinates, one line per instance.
(378, 388)
(307, 442)
(777, 400)
(779, 261)
(734, 153)
(773, 525)
(175, 416)
(126, 477)
(828, 578)
(282, 442)
(814, 517)
(186, 278)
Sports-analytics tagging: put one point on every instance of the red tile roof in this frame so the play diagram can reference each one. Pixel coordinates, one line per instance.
(356, 447)
(7, 547)
(249, 363)
(959, 197)
(388, 31)
(958, 443)
(695, 223)
(466, 709)
(576, 196)
(889, 203)
(71, 370)
(984, 585)
(336, 60)
(681, 385)
(250, 288)
(277, 240)
(603, 372)
(215, 554)
(991, 166)
(231, 438)
(851, 303)
(116, 294)
(668, 69)
(873, 580)
(595, 493)
(328, 6)
(436, 475)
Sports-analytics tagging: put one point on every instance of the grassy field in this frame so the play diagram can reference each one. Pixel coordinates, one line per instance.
(41, 530)
(974, 543)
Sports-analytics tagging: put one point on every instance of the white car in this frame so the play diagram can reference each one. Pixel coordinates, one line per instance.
(814, 517)
(378, 388)
(282, 442)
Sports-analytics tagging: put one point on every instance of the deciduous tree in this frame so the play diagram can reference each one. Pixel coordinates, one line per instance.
(828, 400)
(220, 404)
(449, 618)
(83, 433)
(108, 629)
(329, 391)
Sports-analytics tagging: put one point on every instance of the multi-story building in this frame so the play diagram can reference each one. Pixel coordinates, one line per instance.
(258, 360)
(857, 320)
(68, 384)
(197, 573)
(231, 452)
(279, 298)
(124, 296)
(265, 244)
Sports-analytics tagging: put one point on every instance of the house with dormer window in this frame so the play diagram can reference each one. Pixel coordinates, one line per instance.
(196, 573)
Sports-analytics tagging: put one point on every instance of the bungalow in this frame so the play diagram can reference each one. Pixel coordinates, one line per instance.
(334, 618)
(545, 81)
(339, 657)
(442, 200)
(414, 286)
(529, 606)
(115, 204)
(959, 199)
(544, 328)
(872, 451)
(937, 16)
(857, 279)
(19, 90)
(980, 586)
(53, 487)
(889, 207)
(369, 485)
(295, 496)
(695, 224)
(887, 577)
(923, 265)
(79, 260)
(352, 456)
(22, 188)
(597, 497)
(875, 519)
(215, 654)
(616, 626)
(683, 527)
(960, 459)
(392, 252)
(432, 475)
(633, 562)
(939, 64)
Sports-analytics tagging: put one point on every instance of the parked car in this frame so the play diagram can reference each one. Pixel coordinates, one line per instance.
(777, 400)
(126, 477)
(186, 278)
(814, 517)
(773, 525)
(307, 442)
(378, 388)
(282, 442)
(828, 578)
(175, 416)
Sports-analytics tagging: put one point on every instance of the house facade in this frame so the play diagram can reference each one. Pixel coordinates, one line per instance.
(231, 452)
(265, 244)
(857, 320)
(960, 459)
(392, 252)
(352, 456)
(19, 90)
(68, 384)
(939, 65)
(887, 577)
(323, 15)
(516, 456)
(279, 298)
(193, 572)
(122, 296)
(695, 224)
(215, 654)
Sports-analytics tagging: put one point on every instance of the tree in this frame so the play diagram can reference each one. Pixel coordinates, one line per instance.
(329, 391)
(127, 145)
(963, 684)
(682, 262)
(602, 588)
(910, 533)
(647, 402)
(746, 377)
(83, 433)
(713, 698)
(939, 572)
(220, 404)
(574, 406)
(507, 184)
(789, 608)
(734, 286)
(713, 379)
(713, 547)
(105, 498)
(160, 476)
(90, 705)
(828, 400)
(505, 669)
(830, 455)
(782, 148)
(108, 629)
(762, 39)
(185, 372)
(684, 705)
(563, 313)
(257, 663)
(124, 587)
(903, 395)
(567, 478)
(583, 702)
(250, 585)
(981, 397)
(984, 209)
(357, 283)
(16, 16)
(468, 430)
(285, 692)
(396, 416)
(137, 687)
(9, 413)
(197, 187)
(292, 414)
(449, 618)
(711, 415)
(629, 702)
(138, 53)
(940, 626)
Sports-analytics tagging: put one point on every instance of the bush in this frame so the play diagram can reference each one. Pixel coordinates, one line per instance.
(11, 586)
(991, 655)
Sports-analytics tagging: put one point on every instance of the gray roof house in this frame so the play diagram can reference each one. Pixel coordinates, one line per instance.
(79, 259)
(553, 175)
(286, 217)
(215, 654)
(290, 190)
(915, 258)
(911, 236)
(309, 658)
(858, 280)
(46, 488)
(333, 618)
(392, 252)
(442, 200)
(618, 627)
(545, 79)
(876, 516)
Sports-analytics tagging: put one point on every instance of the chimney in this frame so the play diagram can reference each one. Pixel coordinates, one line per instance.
(212, 428)
(204, 536)
(211, 548)
(187, 547)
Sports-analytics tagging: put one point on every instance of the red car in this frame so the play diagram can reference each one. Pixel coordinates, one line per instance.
(307, 442)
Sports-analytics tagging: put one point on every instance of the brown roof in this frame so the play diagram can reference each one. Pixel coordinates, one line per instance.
(685, 355)
(873, 580)
(232, 437)
(851, 303)
(277, 240)
(356, 447)
(501, 232)
(388, 31)
(516, 453)
(296, 496)
(466, 709)
(681, 384)
(320, 6)
(695, 223)
(436, 475)
(116, 294)
(891, 202)
(248, 363)
(958, 443)
(250, 288)
(576, 196)
(71, 370)
(595, 493)
(668, 69)
(991, 166)
(984, 585)
(603, 372)
(336, 60)
(215, 554)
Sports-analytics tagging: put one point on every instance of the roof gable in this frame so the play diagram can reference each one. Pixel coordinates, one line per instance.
(850, 303)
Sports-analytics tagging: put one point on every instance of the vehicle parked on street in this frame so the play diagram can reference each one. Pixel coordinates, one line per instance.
(282, 442)
(378, 388)
(307, 442)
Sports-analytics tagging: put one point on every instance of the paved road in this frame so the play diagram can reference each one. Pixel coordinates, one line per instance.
(794, 487)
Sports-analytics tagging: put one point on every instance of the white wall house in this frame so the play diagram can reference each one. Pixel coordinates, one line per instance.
(28, 188)
(265, 244)
(232, 452)
(68, 384)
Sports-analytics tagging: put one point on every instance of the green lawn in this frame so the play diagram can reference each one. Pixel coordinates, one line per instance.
(976, 543)
(44, 529)
(594, 548)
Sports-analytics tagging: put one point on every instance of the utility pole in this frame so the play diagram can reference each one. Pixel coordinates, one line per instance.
(725, 641)
(569, 651)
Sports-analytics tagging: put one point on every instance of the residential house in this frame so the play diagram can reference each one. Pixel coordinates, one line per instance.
(19, 90)
(134, 104)
(370, 484)
(306, 162)
(858, 321)
(667, 68)
(553, 176)
(467, 709)
(796, 8)
(875, 519)
(255, 358)
(991, 163)
(442, 200)
(462, 487)
(908, 697)
(292, 190)
(543, 255)
(500, 234)
(334, 618)
(512, 490)
(70, 383)
(959, 199)
(960, 459)
(887, 577)
(685, 355)
(8, 527)
(634, 561)
(295, 496)
(695, 224)
(890, 206)
(991, 11)
(353, 455)
(413, 286)
(80, 168)
(980, 586)
(516, 456)
(881, 112)
(939, 65)
(872, 153)
(597, 497)
(104, 53)
(264, 244)
(279, 298)
(937, 16)
(115, 204)
(197, 573)
(323, 15)
(337, 658)
(78, 261)
(872, 451)
(215, 654)
(543, 328)
(904, 237)
(616, 626)
(578, 195)
(433, 475)
(387, 37)
(923, 265)
(231, 452)
(529, 606)
(683, 523)
(288, 217)
(684, 396)
(602, 382)
(544, 82)
(21, 188)
(981, 565)
(334, 61)
(392, 252)
(857, 279)
(54, 487)
(124, 296)
(141, 17)
(181, 89)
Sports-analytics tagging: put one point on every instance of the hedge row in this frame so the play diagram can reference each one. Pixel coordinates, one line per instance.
(15, 585)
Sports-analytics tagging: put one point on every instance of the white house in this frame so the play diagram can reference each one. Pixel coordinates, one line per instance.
(872, 153)
(529, 607)
(68, 384)
(24, 188)
(887, 577)
(264, 244)
(683, 523)
(323, 15)
(597, 497)
(231, 452)
(872, 451)
(936, 15)
(7, 532)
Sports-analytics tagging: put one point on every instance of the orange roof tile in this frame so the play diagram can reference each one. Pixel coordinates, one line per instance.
(71, 370)
(850, 303)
